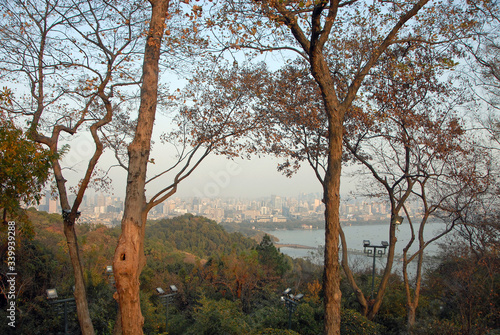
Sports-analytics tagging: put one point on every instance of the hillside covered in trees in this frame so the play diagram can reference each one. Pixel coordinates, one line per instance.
(229, 284)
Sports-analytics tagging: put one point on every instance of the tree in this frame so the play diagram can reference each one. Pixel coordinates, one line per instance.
(406, 135)
(271, 257)
(129, 255)
(69, 60)
(408, 138)
(207, 123)
(466, 287)
(317, 31)
(24, 169)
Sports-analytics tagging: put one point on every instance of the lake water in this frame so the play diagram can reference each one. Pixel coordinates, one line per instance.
(315, 238)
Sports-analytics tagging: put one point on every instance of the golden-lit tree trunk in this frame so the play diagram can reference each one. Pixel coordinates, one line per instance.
(331, 191)
(129, 256)
(331, 281)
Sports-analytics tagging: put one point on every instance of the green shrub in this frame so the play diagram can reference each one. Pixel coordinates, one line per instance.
(271, 331)
(441, 327)
(353, 323)
(221, 317)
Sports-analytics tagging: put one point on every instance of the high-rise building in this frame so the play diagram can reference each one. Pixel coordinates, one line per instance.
(277, 202)
(54, 206)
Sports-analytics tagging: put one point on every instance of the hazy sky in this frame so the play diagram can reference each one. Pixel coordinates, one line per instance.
(258, 177)
(215, 177)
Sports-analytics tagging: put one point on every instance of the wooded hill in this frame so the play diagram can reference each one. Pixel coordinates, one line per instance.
(229, 284)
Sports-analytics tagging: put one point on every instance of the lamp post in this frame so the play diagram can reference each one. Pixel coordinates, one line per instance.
(166, 300)
(367, 249)
(111, 277)
(52, 296)
(291, 302)
(112, 285)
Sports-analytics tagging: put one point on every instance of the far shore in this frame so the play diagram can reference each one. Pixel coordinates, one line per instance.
(295, 246)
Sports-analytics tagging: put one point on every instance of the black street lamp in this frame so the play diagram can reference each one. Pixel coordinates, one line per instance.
(374, 253)
(291, 302)
(67, 303)
(166, 300)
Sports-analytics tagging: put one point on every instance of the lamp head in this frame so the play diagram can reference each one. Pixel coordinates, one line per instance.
(160, 290)
(51, 293)
(398, 220)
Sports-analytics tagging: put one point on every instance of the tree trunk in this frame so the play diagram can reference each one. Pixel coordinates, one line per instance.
(117, 329)
(387, 272)
(331, 192)
(129, 256)
(82, 308)
(331, 276)
(350, 277)
(411, 311)
(412, 302)
(69, 219)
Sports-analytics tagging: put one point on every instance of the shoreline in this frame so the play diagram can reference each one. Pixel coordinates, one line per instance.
(294, 246)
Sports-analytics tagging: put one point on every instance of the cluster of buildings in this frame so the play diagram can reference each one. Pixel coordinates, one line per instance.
(108, 210)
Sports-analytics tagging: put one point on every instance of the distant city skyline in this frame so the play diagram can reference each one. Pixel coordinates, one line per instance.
(305, 209)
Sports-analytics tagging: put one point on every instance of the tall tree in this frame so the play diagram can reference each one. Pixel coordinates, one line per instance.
(395, 131)
(213, 117)
(404, 132)
(317, 31)
(68, 60)
(403, 135)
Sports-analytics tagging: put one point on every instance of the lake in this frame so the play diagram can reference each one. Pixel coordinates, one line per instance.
(355, 235)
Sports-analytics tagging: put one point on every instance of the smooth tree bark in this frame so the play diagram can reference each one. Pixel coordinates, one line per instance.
(129, 256)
